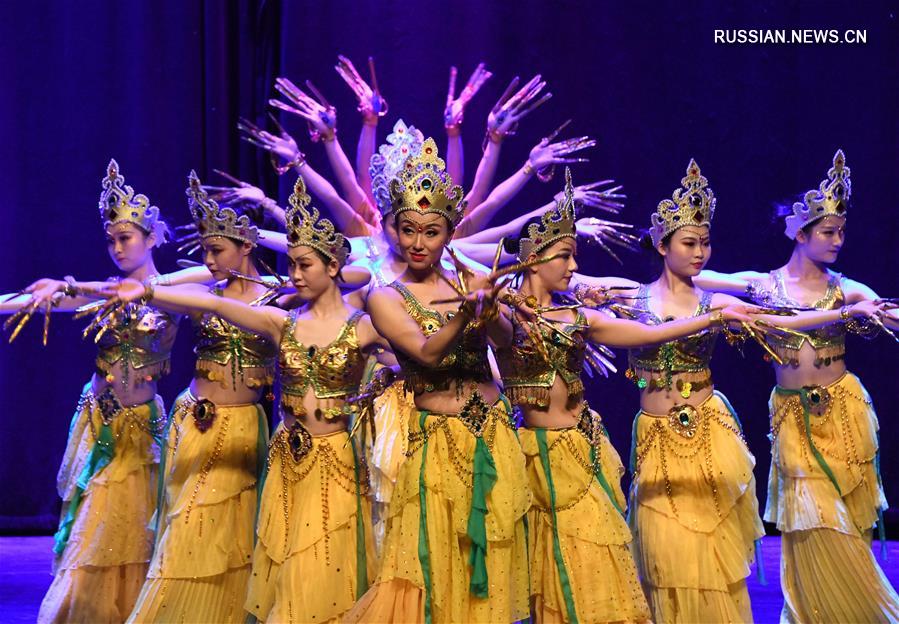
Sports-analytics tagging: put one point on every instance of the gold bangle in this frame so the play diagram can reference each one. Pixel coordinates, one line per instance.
(716, 318)
(149, 293)
(845, 313)
(528, 168)
(71, 289)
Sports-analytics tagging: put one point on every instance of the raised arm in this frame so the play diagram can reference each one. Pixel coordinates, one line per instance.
(453, 114)
(543, 156)
(372, 106)
(322, 120)
(284, 147)
(502, 122)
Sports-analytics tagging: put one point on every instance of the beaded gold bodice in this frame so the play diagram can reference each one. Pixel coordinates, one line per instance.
(140, 339)
(466, 362)
(829, 342)
(219, 343)
(691, 354)
(332, 371)
(529, 371)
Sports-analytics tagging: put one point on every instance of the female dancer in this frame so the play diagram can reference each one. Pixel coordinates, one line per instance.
(314, 521)
(107, 479)
(455, 548)
(581, 566)
(694, 513)
(215, 442)
(824, 489)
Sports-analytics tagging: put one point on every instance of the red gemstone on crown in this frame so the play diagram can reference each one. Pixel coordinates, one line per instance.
(424, 202)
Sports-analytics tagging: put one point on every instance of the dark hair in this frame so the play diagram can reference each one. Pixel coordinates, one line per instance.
(513, 245)
(784, 208)
(326, 260)
(646, 243)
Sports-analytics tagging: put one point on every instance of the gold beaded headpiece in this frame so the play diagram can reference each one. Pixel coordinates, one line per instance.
(692, 204)
(119, 204)
(556, 224)
(210, 220)
(830, 198)
(423, 185)
(306, 229)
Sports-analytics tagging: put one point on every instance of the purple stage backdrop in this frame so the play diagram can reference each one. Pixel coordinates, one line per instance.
(160, 85)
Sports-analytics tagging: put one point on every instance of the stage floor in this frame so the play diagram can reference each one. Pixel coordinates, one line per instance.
(25, 576)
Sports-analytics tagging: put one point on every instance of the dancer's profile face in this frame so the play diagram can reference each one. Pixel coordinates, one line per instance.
(222, 255)
(823, 240)
(309, 273)
(556, 274)
(129, 246)
(422, 238)
(688, 250)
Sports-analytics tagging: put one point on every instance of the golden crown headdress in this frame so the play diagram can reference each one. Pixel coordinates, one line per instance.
(210, 220)
(692, 204)
(830, 198)
(423, 185)
(119, 204)
(555, 224)
(305, 228)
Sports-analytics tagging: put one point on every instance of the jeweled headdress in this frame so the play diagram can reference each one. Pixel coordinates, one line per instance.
(211, 220)
(423, 185)
(119, 204)
(555, 224)
(306, 229)
(830, 198)
(403, 142)
(692, 204)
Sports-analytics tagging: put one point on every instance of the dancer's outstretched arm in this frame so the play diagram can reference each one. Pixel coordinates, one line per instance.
(543, 155)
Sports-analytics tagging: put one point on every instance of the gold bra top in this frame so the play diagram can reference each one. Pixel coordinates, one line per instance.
(684, 355)
(251, 356)
(332, 371)
(529, 374)
(466, 362)
(140, 338)
(829, 342)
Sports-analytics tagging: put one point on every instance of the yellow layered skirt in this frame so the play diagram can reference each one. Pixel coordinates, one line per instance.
(201, 563)
(824, 493)
(579, 542)
(694, 514)
(426, 565)
(103, 561)
(388, 450)
(314, 551)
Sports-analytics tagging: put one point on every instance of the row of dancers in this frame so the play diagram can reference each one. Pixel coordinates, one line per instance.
(435, 459)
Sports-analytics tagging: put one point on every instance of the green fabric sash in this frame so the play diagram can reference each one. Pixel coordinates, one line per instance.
(601, 478)
(483, 479)
(361, 556)
(102, 452)
(424, 554)
(564, 581)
